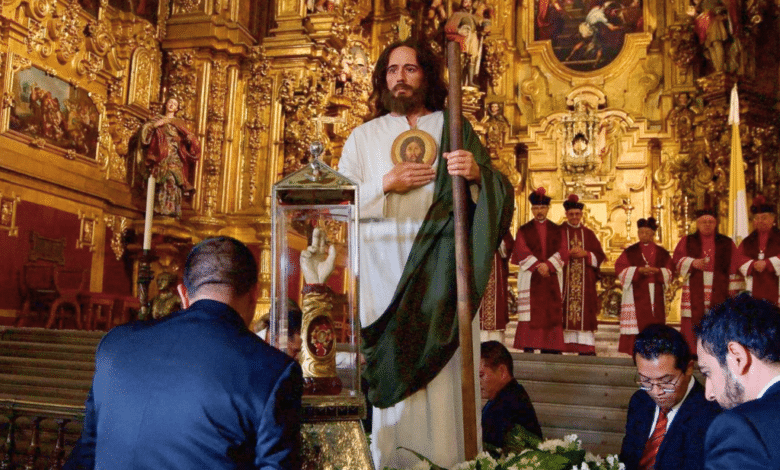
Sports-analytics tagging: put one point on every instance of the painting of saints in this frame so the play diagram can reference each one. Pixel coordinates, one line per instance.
(587, 35)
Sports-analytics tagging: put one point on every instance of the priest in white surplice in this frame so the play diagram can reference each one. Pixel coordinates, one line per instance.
(407, 280)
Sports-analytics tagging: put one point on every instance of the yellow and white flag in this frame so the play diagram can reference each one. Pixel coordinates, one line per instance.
(738, 215)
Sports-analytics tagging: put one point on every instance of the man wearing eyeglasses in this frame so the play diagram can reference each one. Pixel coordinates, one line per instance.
(669, 415)
(739, 355)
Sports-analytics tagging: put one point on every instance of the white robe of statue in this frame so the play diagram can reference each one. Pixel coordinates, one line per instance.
(430, 421)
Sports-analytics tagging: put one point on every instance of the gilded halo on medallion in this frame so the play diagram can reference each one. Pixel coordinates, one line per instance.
(414, 146)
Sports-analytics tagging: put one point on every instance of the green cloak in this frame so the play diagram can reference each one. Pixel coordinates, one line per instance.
(418, 333)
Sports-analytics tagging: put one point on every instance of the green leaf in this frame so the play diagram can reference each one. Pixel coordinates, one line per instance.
(518, 439)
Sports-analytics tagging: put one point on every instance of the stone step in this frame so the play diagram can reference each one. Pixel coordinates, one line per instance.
(43, 335)
(60, 383)
(574, 373)
(70, 352)
(50, 394)
(45, 368)
(47, 363)
(586, 395)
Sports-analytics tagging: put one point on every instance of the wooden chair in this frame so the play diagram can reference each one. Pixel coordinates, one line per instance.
(127, 309)
(36, 285)
(98, 310)
(69, 284)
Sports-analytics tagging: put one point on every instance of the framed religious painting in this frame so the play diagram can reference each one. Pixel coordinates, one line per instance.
(414, 146)
(587, 35)
(48, 111)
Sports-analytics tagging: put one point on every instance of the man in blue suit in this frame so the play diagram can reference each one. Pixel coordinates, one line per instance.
(739, 354)
(668, 416)
(195, 389)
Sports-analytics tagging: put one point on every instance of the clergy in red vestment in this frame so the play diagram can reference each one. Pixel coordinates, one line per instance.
(645, 270)
(494, 307)
(540, 253)
(762, 248)
(580, 273)
(709, 262)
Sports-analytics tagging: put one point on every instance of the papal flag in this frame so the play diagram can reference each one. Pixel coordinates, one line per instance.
(738, 215)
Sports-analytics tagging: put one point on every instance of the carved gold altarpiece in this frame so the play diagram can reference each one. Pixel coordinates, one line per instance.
(257, 79)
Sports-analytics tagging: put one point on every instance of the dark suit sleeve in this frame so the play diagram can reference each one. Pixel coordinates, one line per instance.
(734, 443)
(278, 439)
(634, 440)
(83, 454)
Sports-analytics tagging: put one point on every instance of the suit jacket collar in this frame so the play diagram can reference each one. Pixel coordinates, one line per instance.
(773, 390)
(213, 310)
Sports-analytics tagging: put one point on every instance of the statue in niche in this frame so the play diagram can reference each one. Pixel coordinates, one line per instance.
(682, 118)
(581, 127)
(320, 6)
(167, 300)
(167, 150)
(496, 128)
(713, 21)
(468, 26)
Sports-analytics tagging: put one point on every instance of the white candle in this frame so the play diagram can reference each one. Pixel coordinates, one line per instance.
(149, 213)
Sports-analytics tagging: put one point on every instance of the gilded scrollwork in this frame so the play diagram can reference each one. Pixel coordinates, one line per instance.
(118, 226)
(683, 48)
(99, 39)
(67, 32)
(90, 65)
(20, 63)
(8, 100)
(8, 210)
(185, 6)
(259, 89)
(215, 135)
(37, 39)
(144, 74)
(496, 61)
(181, 80)
(302, 103)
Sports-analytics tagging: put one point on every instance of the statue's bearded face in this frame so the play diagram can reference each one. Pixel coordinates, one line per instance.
(406, 85)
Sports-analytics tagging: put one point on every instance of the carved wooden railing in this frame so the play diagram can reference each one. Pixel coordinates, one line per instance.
(22, 447)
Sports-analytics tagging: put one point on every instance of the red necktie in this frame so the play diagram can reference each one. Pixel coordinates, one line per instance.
(654, 443)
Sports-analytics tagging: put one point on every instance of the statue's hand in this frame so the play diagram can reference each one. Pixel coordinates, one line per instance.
(325, 269)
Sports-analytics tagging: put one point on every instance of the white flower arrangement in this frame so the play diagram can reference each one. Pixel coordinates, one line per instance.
(525, 451)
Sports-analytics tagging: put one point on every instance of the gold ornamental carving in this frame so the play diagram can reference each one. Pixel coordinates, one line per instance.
(8, 213)
(99, 38)
(302, 103)
(496, 61)
(258, 99)
(19, 63)
(318, 356)
(67, 32)
(118, 226)
(185, 6)
(90, 65)
(88, 224)
(683, 46)
(37, 39)
(215, 135)
(144, 76)
(182, 81)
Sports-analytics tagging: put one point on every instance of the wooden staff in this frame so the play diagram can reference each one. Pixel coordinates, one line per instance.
(462, 259)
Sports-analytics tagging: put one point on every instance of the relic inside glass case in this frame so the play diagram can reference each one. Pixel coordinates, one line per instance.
(314, 300)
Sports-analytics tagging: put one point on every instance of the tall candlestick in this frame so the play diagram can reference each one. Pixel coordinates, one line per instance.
(149, 213)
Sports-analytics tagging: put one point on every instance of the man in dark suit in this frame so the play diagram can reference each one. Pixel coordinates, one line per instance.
(508, 403)
(668, 417)
(195, 389)
(739, 354)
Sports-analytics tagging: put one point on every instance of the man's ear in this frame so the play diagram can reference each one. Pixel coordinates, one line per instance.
(738, 358)
(183, 295)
